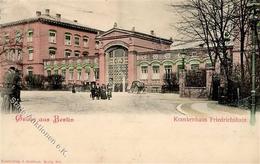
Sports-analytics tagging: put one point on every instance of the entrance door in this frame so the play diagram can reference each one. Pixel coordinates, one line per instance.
(117, 66)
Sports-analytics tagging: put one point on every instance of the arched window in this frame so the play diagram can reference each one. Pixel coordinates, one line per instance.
(85, 53)
(67, 53)
(52, 36)
(76, 40)
(67, 38)
(97, 44)
(30, 35)
(52, 52)
(85, 41)
(30, 71)
(76, 53)
(30, 53)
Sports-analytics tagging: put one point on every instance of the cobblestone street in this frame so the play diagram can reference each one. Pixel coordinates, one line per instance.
(130, 128)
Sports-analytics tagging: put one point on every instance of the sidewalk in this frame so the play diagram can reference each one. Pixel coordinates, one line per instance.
(210, 108)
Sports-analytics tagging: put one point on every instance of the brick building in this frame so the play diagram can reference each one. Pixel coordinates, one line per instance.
(54, 45)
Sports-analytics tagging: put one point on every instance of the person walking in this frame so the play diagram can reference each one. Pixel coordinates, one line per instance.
(93, 90)
(98, 91)
(8, 91)
(109, 91)
(73, 88)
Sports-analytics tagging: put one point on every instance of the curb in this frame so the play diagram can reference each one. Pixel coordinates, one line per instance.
(178, 108)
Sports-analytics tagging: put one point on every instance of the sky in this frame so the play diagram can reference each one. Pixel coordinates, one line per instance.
(145, 15)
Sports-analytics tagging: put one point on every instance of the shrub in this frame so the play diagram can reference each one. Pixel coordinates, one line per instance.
(55, 81)
(35, 81)
(196, 78)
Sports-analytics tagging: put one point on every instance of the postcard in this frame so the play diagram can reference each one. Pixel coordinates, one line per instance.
(129, 81)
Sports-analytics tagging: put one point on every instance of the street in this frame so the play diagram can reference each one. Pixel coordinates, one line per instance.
(130, 128)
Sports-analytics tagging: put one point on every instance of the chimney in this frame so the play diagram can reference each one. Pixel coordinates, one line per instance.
(115, 25)
(133, 28)
(38, 13)
(152, 32)
(47, 11)
(58, 17)
(76, 21)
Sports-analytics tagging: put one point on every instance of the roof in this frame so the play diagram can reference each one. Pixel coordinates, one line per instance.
(52, 20)
(128, 33)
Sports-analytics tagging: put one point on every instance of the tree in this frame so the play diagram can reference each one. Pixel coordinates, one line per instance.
(211, 22)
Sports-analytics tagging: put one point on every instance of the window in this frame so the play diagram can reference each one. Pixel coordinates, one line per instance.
(79, 74)
(30, 36)
(63, 73)
(18, 36)
(76, 53)
(144, 72)
(48, 72)
(71, 74)
(96, 72)
(193, 53)
(56, 72)
(30, 54)
(76, 40)
(168, 71)
(6, 38)
(156, 72)
(85, 53)
(67, 39)
(85, 41)
(19, 54)
(97, 44)
(30, 71)
(52, 36)
(52, 53)
(67, 53)
(194, 66)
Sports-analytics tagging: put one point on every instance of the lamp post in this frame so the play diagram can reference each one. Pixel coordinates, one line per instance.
(253, 6)
(183, 59)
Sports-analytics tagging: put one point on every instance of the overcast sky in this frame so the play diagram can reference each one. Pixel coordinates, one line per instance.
(145, 15)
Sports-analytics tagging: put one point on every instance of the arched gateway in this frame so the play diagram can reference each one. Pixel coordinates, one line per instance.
(117, 67)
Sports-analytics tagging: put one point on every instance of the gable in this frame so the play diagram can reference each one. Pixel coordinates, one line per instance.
(114, 33)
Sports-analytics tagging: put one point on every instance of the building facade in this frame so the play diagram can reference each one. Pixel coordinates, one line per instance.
(54, 45)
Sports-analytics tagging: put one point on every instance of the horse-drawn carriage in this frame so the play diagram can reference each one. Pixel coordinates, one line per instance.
(137, 87)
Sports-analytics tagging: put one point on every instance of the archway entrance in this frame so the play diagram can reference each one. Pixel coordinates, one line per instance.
(117, 67)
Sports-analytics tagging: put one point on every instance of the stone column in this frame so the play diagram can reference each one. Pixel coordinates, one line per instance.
(182, 82)
(102, 69)
(209, 74)
(131, 68)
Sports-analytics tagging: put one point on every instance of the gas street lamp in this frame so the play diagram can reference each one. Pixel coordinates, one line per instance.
(254, 7)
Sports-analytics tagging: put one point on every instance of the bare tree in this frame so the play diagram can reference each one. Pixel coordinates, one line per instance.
(212, 22)
(241, 21)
